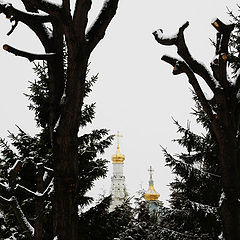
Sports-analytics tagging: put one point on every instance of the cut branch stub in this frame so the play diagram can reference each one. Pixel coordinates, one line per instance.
(177, 69)
(30, 56)
(221, 27)
(222, 39)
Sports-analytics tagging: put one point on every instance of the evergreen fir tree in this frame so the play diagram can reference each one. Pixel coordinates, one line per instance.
(99, 223)
(35, 153)
(196, 189)
(143, 223)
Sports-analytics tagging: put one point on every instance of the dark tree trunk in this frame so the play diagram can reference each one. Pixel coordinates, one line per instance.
(66, 152)
(64, 120)
(222, 111)
(230, 205)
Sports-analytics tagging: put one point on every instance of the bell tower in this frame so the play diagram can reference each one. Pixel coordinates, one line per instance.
(118, 188)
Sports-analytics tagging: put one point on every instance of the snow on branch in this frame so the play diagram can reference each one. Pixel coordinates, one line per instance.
(19, 15)
(31, 18)
(51, 8)
(27, 191)
(197, 169)
(179, 41)
(206, 208)
(97, 31)
(15, 168)
(30, 56)
(23, 221)
(164, 39)
(26, 226)
(177, 234)
(4, 200)
(48, 169)
(35, 194)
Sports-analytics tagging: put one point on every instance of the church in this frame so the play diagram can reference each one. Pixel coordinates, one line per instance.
(118, 187)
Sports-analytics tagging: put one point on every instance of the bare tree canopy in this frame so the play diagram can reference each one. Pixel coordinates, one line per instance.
(222, 111)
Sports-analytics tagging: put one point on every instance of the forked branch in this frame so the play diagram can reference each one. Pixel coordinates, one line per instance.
(179, 41)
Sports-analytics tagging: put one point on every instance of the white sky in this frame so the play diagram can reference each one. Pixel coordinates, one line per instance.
(136, 93)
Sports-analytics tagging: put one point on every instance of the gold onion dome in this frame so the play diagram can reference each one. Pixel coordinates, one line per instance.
(118, 157)
(151, 194)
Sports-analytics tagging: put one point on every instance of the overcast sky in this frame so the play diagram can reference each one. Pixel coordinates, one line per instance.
(136, 93)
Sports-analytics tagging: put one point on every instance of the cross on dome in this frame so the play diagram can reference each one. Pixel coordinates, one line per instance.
(150, 172)
(118, 138)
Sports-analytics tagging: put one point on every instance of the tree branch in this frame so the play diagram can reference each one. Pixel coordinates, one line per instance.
(183, 51)
(80, 17)
(4, 200)
(66, 5)
(30, 56)
(51, 8)
(33, 20)
(13, 171)
(24, 223)
(97, 30)
(22, 16)
(20, 188)
(13, 26)
(21, 218)
(181, 67)
(225, 30)
(163, 39)
(223, 36)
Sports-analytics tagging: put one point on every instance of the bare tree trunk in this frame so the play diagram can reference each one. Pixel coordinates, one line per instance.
(222, 111)
(229, 203)
(66, 157)
(64, 120)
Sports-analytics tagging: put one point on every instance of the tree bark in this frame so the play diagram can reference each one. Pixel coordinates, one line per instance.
(66, 158)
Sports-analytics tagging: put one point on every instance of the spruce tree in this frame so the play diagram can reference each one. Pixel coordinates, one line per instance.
(33, 181)
(196, 189)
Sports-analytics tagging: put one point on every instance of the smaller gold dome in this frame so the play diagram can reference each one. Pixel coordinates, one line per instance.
(151, 194)
(118, 157)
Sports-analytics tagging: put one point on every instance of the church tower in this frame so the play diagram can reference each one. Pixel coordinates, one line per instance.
(118, 188)
(151, 196)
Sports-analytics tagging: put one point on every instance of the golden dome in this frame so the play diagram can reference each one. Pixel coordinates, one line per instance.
(118, 157)
(151, 194)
